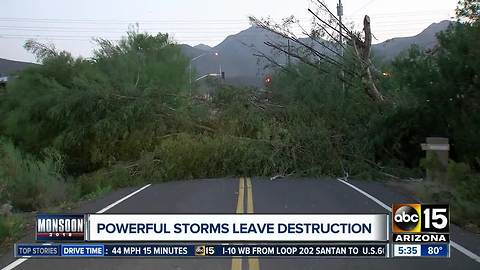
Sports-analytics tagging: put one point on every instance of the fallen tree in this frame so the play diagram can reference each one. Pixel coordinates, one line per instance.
(328, 37)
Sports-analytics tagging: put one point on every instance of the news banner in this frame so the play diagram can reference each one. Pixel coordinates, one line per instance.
(412, 230)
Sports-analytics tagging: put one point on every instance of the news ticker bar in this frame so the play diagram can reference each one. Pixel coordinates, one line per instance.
(227, 250)
(240, 250)
(214, 227)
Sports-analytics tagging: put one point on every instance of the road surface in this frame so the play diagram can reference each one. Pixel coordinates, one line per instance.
(257, 195)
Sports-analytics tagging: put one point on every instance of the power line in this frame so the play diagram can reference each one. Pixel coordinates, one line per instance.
(20, 37)
(403, 14)
(109, 29)
(362, 7)
(117, 20)
(177, 35)
(118, 31)
(182, 21)
(187, 30)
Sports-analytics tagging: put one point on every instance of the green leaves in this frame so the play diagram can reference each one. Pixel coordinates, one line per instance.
(93, 110)
(438, 95)
(29, 183)
(41, 51)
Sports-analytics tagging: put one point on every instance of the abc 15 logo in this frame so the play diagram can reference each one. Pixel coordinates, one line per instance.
(204, 250)
(420, 218)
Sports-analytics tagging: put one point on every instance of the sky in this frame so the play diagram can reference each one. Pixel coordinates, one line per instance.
(70, 25)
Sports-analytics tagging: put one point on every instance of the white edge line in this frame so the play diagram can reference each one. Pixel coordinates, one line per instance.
(455, 245)
(367, 195)
(122, 199)
(19, 261)
(16, 263)
(465, 251)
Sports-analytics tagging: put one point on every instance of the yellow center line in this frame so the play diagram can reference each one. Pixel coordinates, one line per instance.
(241, 196)
(249, 196)
(253, 263)
(237, 262)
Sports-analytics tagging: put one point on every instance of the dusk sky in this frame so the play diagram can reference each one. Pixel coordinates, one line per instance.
(70, 25)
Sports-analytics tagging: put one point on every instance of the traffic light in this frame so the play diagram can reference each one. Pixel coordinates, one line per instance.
(268, 80)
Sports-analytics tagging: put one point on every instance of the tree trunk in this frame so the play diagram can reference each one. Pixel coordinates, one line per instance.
(362, 50)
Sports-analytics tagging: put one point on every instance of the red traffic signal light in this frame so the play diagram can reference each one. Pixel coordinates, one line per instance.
(268, 80)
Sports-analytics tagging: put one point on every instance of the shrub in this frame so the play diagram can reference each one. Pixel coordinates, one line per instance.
(101, 181)
(101, 111)
(458, 172)
(462, 192)
(29, 183)
(11, 227)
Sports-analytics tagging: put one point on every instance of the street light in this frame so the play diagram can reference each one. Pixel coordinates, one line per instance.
(190, 66)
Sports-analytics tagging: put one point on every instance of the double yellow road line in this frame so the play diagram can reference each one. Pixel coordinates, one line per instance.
(245, 184)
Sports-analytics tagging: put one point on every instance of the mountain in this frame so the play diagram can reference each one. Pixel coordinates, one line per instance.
(236, 59)
(8, 67)
(389, 49)
(235, 56)
(203, 47)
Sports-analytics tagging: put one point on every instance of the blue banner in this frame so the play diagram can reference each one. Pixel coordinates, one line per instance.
(214, 250)
(37, 250)
(82, 250)
(435, 250)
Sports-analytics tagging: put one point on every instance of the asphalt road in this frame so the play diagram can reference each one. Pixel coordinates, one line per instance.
(257, 196)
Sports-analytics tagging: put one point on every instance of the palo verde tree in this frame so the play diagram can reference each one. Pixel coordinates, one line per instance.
(101, 110)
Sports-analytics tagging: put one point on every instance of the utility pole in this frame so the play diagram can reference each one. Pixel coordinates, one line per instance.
(340, 14)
